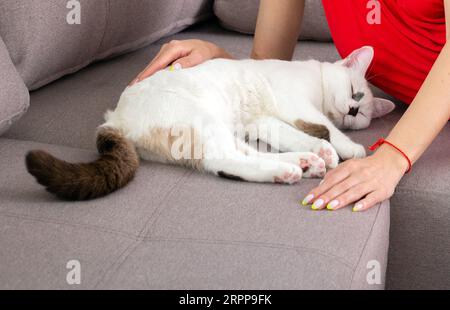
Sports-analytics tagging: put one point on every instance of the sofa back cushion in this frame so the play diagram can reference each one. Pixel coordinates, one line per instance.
(241, 16)
(14, 97)
(48, 39)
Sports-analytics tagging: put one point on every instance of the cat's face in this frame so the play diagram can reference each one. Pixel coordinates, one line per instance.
(352, 105)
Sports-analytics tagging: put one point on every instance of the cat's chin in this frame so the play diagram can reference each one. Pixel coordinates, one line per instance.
(357, 122)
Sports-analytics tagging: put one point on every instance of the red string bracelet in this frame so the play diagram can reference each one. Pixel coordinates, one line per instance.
(382, 141)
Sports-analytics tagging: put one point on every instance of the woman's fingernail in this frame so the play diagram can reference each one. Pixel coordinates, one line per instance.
(317, 204)
(321, 182)
(307, 199)
(332, 205)
(358, 207)
(177, 66)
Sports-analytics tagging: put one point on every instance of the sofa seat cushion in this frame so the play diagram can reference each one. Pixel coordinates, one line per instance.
(165, 231)
(14, 97)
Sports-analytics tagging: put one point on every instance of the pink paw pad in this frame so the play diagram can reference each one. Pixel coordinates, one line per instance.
(304, 164)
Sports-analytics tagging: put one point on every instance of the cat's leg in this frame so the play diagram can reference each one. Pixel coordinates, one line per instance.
(344, 146)
(315, 123)
(286, 138)
(253, 169)
(311, 164)
(222, 158)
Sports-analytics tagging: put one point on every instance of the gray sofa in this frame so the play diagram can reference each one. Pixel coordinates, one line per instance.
(173, 228)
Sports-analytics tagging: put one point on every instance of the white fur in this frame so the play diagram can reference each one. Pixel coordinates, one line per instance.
(220, 97)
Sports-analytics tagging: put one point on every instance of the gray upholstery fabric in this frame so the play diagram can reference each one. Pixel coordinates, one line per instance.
(165, 231)
(241, 16)
(181, 235)
(44, 46)
(14, 97)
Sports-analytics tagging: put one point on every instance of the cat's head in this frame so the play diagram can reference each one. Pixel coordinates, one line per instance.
(349, 102)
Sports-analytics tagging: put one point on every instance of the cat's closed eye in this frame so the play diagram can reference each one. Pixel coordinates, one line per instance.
(358, 96)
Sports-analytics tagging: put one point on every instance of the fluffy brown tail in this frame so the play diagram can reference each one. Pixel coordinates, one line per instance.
(116, 167)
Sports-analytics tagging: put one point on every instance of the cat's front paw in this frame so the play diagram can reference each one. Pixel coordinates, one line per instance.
(289, 174)
(327, 152)
(353, 150)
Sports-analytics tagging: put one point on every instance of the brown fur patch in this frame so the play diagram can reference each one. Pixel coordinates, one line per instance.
(315, 130)
(181, 146)
(116, 167)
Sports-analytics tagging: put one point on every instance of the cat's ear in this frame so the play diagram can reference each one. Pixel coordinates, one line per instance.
(382, 107)
(359, 59)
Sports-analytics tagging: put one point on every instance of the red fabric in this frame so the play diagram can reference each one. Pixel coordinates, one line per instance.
(407, 41)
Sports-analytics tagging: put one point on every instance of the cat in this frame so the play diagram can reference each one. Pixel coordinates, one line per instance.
(199, 117)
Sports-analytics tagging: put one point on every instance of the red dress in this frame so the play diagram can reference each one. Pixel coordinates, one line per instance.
(407, 38)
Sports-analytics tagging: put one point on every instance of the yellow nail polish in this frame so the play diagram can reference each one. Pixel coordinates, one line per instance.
(307, 199)
(332, 205)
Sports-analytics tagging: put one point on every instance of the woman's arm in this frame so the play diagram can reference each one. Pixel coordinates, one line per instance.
(277, 29)
(377, 176)
(428, 113)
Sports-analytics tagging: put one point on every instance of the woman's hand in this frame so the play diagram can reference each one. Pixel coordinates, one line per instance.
(185, 54)
(369, 181)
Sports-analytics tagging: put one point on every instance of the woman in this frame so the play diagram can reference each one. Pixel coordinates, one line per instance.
(412, 63)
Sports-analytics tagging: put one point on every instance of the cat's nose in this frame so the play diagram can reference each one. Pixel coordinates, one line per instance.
(353, 111)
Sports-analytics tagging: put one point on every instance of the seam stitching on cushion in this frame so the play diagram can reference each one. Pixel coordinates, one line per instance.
(121, 259)
(125, 254)
(155, 214)
(253, 244)
(16, 115)
(129, 235)
(133, 247)
(409, 190)
(364, 247)
(79, 225)
(107, 17)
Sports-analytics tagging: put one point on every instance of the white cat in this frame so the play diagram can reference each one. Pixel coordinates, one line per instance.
(200, 117)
